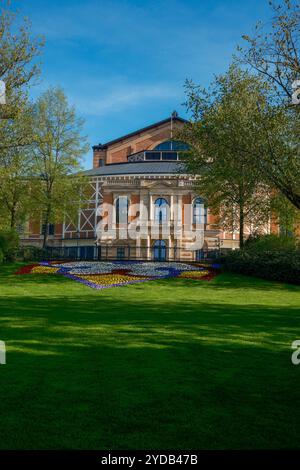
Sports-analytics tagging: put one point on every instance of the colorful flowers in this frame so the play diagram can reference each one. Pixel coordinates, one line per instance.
(112, 279)
(194, 274)
(44, 270)
(26, 269)
(102, 274)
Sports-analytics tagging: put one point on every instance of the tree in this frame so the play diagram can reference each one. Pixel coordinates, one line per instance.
(288, 216)
(273, 53)
(223, 120)
(18, 67)
(16, 167)
(278, 155)
(18, 51)
(57, 151)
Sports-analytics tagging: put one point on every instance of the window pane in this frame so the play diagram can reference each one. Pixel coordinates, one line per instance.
(161, 210)
(169, 155)
(120, 252)
(152, 155)
(199, 212)
(122, 210)
(172, 145)
(51, 229)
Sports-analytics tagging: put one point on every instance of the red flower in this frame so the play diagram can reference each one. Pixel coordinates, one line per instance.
(26, 269)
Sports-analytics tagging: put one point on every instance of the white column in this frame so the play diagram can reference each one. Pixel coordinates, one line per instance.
(171, 207)
(170, 251)
(148, 248)
(150, 207)
(138, 247)
(179, 220)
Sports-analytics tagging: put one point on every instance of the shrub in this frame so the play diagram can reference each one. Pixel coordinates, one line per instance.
(277, 265)
(272, 243)
(32, 253)
(9, 243)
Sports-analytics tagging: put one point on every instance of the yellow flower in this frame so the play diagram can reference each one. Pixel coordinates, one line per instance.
(194, 274)
(108, 279)
(44, 270)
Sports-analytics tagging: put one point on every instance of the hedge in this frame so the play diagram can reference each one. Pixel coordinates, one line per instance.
(9, 242)
(274, 265)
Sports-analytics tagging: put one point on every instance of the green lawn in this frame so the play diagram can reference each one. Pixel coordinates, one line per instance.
(170, 364)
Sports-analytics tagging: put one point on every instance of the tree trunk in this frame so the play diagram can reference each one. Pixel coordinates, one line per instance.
(241, 226)
(46, 222)
(13, 218)
(45, 237)
(291, 196)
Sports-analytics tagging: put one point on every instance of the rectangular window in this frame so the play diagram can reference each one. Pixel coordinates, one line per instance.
(152, 155)
(169, 156)
(51, 229)
(120, 252)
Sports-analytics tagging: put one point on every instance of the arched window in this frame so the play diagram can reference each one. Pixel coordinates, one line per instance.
(161, 210)
(122, 210)
(199, 211)
(175, 145)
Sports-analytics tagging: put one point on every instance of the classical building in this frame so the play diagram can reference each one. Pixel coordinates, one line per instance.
(142, 204)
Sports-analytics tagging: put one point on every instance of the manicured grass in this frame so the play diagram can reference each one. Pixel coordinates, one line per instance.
(169, 364)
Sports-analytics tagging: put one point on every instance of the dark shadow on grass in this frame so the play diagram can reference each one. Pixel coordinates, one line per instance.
(122, 370)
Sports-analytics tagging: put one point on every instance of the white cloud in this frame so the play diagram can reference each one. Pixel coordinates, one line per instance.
(123, 97)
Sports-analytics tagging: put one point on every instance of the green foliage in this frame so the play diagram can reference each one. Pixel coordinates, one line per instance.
(16, 166)
(224, 118)
(31, 253)
(270, 243)
(272, 53)
(273, 50)
(18, 53)
(57, 151)
(9, 242)
(288, 215)
(269, 257)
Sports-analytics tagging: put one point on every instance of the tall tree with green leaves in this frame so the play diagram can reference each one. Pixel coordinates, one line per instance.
(16, 167)
(287, 214)
(59, 145)
(273, 53)
(224, 120)
(18, 54)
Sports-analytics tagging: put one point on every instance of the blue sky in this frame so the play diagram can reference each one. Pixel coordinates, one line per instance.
(123, 63)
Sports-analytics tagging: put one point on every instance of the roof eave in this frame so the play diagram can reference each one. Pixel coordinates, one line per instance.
(139, 131)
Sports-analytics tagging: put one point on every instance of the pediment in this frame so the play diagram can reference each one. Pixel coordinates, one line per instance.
(158, 184)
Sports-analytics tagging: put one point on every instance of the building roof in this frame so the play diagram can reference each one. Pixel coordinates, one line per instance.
(174, 118)
(137, 168)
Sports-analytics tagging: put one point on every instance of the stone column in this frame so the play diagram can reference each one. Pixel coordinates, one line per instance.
(148, 248)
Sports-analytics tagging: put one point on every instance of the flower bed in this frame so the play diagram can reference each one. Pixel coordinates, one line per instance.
(44, 270)
(26, 269)
(100, 275)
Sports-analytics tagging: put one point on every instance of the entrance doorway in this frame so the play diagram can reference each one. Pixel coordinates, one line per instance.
(159, 250)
